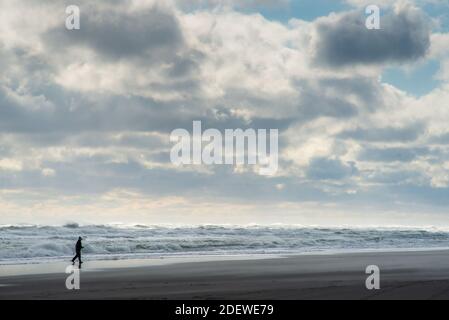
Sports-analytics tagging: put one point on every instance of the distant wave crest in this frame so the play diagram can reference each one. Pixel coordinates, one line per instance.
(35, 243)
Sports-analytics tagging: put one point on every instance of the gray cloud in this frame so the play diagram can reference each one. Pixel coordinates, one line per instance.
(328, 97)
(153, 32)
(404, 36)
(406, 134)
(62, 139)
(392, 154)
(440, 139)
(396, 177)
(330, 169)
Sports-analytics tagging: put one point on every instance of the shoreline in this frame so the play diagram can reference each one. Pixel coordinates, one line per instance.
(155, 259)
(405, 274)
(50, 267)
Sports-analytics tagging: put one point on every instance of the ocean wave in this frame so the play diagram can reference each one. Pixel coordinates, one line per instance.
(37, 242)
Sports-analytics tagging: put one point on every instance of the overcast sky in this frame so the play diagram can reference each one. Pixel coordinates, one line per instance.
(363, 115)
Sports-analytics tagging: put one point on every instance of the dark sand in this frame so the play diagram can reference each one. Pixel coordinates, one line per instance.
(404, 275)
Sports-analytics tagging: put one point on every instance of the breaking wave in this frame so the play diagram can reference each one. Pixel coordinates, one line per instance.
(33, 243)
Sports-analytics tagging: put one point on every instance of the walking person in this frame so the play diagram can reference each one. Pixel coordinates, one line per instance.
(78, 248)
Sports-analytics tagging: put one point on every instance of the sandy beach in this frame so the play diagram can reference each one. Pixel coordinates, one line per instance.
(403, 275)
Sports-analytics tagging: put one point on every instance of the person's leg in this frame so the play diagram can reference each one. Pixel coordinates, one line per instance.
(74, 258)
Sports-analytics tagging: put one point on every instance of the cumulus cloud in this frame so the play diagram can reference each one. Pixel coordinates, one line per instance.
(153, 33)
(343, 39)
(85, 115)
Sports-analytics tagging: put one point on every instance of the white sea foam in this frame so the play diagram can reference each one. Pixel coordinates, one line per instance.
(33, 243)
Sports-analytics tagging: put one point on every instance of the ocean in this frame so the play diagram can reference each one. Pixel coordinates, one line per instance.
(21, 244)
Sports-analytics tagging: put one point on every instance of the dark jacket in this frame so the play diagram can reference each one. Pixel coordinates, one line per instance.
(78, 246)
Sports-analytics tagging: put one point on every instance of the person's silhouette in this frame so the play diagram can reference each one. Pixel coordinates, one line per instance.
(78, 248)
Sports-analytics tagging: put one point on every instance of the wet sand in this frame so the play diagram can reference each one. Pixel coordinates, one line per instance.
(403, 275)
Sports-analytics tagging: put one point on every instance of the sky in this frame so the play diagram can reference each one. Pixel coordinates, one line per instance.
(85, 115)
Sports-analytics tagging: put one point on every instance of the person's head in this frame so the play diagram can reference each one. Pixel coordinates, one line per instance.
(80, 238)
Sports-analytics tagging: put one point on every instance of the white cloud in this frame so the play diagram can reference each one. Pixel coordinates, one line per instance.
(89, 120)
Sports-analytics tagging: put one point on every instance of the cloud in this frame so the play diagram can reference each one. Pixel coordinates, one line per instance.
(84, 114)
(392, 154)
(378, 134)
(153, 33)
(440, 139)
(248, 4)
(343, 40)
(330, 169)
